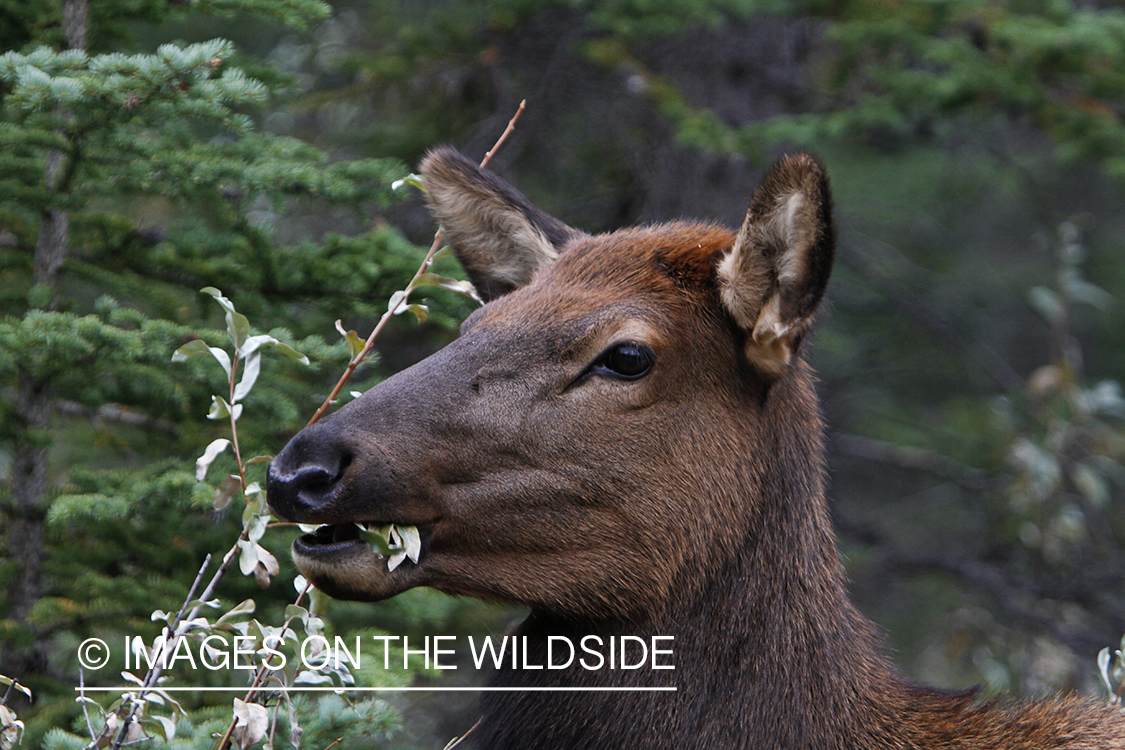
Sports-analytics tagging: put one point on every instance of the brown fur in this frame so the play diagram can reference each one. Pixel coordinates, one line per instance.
(688, 502)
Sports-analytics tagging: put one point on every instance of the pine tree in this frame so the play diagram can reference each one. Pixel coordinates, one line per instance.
(127, 183)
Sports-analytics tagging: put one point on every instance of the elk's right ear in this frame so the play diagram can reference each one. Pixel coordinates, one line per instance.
(499, 238)
(774, 276)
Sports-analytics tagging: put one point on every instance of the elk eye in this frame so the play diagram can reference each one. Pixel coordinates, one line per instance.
(629, 361)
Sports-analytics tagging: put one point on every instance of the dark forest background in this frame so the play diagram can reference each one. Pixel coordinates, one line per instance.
(970, 358)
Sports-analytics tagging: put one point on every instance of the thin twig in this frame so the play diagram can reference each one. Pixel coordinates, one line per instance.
(504, 136)
(85, 713)
(154, 672)
(458, 740)
(393, 309)
(234, 421)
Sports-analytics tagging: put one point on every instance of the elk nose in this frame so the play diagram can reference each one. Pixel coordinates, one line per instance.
(303, 481)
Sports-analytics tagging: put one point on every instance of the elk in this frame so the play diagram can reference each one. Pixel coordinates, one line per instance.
(626, 439)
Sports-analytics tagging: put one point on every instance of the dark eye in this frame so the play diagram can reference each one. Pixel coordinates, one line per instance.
(629, 361)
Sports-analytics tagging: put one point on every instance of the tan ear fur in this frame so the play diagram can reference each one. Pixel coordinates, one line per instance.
(774, 275)
(498, 236)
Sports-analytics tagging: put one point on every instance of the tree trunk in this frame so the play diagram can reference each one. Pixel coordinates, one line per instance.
(33, 409)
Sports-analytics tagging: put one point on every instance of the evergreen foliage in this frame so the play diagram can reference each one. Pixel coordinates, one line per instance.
(127, 183)
(135, 171)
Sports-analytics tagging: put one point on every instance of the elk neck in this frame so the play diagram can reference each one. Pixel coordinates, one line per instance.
(767, 640)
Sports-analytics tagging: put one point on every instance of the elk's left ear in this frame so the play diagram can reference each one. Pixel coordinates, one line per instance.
(774, 276)
(498, 236)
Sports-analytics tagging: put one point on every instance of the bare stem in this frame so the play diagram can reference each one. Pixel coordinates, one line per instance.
(425, 265)
(85, 712)
(458, 740)
(234, 422)
(154, 672)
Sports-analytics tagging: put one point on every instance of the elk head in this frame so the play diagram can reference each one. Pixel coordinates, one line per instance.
(606, 427)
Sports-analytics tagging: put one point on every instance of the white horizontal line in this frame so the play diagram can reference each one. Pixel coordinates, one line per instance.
(312, 689)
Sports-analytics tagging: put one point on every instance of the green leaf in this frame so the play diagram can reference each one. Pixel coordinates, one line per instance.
(413, 180)
(411, 541)
(1091, 484)
(296, 612)
(379, 538)
(237, 325)
(220, 409)
(248, 558)
(197, 347)
(1046, 303)
(461, 287)
(212, 603)
(257, 527)
(421, 312)
(1103, 669)
(398, 298)
(355, 343)
(210, 453)
(193, 348)
(250, 374)
(9, 681)
(165, 727)
(245, 608)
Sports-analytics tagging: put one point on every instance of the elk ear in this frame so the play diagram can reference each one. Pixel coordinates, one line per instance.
(497, 235)
(773, 278)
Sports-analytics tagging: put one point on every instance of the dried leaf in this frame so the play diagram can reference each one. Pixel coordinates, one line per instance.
(251, 722)
(11, 729)
(226, 490)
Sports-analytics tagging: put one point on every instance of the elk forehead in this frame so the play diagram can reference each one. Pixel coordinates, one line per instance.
(643, 273)
(652, 286)
(653, 259)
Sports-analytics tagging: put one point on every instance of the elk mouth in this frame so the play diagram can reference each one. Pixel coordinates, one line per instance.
(338, 561)
(331, 535)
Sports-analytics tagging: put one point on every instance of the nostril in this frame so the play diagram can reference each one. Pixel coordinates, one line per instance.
(314, 479)
(297, 492)
(318, 480)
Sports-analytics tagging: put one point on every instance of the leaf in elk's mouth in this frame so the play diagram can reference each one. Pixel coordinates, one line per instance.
(393, 541)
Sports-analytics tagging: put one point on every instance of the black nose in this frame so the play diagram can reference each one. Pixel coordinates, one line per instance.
(304, 479)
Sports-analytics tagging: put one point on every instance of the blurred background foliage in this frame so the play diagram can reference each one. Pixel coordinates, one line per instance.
(970, 357)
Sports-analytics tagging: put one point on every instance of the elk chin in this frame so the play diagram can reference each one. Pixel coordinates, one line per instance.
(344, 566)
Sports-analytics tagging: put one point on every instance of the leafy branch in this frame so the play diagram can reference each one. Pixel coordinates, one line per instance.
(242, 367)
